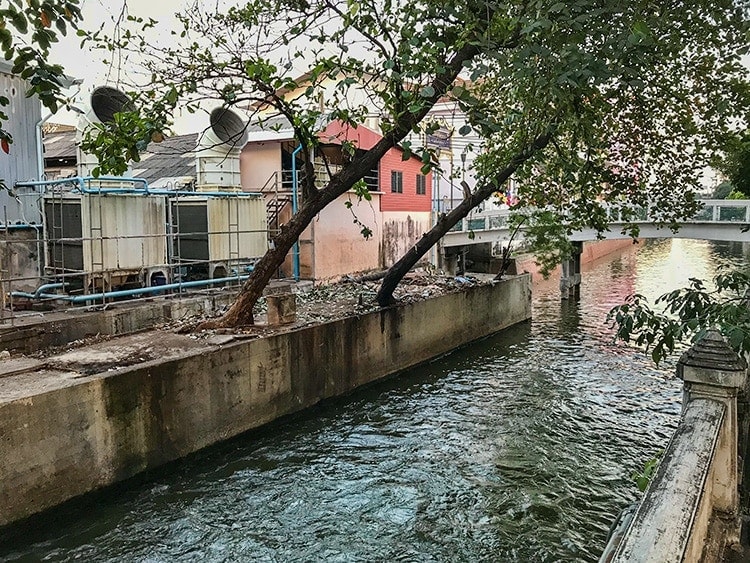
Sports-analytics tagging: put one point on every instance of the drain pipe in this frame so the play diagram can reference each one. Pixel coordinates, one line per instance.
(295, 187)
(121, 293)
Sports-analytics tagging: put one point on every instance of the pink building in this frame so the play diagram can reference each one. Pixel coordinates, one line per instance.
(333, 245)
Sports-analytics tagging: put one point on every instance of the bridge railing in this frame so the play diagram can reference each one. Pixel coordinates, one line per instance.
(713, 211)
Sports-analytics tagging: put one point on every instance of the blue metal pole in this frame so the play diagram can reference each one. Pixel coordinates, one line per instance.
(295, 248)
(124, 292)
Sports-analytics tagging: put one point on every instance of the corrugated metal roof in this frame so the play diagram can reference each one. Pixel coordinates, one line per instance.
(60, 144)
(173, 157)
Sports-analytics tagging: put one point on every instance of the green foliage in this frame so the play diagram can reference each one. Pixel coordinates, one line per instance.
(643, 478)
(639, 98)
(722, 191)
(549, 235)
(736, 164)
(684, 315)
(363, 193)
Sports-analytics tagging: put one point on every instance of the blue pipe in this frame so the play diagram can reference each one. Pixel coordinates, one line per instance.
(75, 180)
(125, 292)
(81, 186)
(295, 248)
(20, 226)
(47, 286)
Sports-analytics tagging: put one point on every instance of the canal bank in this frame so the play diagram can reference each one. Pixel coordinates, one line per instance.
(91, 417)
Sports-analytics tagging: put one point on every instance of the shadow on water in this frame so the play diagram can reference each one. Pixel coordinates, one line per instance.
(515, 448)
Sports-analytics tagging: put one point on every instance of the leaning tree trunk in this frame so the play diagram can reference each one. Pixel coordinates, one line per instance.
(397, 272)
(241, 311)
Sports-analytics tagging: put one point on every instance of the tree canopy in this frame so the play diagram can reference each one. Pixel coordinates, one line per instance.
(28, 29)
(595, 107)
(735, 163)
(626, 102)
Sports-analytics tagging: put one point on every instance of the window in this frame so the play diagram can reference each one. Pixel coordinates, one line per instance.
(421, 184)
(397, 182)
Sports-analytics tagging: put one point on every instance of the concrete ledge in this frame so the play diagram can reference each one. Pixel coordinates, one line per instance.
(672, 522)
(64, 432)
(29, 334)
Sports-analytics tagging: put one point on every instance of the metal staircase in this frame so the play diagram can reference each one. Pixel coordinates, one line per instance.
(276, 198)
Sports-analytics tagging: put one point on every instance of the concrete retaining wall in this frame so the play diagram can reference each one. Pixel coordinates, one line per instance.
(29, 334)
(77, 432)
(690, 512)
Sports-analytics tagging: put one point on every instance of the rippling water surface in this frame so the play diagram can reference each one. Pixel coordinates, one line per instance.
(516, 448)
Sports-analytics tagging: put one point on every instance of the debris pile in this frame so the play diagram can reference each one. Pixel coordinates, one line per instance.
(357, 296)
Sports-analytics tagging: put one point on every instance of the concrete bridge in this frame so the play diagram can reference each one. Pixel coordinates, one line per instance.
(719, 219)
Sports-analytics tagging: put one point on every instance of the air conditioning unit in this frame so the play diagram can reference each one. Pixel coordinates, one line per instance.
(110, 240)
(218, 236)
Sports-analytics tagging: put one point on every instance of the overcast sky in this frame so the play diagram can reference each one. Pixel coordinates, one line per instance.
(88, 64)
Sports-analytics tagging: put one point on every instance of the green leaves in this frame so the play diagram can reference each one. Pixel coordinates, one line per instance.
(26, 35)
(643, 478)
(685, 314)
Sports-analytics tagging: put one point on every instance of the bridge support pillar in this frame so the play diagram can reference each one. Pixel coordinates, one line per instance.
(570, 277)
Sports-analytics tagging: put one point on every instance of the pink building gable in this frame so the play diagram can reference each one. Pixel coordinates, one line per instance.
(398, 178)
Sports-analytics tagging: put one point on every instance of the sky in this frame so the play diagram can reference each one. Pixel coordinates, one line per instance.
(88, 65)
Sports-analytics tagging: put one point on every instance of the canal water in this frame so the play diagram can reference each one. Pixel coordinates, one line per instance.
(516, 448)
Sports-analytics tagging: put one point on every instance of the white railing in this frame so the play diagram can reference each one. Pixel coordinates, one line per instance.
(492, 225)
(713, 211)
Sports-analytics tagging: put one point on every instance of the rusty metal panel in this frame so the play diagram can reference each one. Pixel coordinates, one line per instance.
(238, 227)
(123, 233)
(21, 164)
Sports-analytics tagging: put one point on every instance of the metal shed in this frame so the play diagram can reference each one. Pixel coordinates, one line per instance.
(21, 164)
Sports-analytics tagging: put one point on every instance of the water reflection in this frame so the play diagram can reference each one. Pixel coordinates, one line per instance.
(517, 448)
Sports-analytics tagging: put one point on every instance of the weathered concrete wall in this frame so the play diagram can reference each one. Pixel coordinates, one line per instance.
(70, 433)
(690, 512)
(19, 261)
(338, 245)
(401, 230)
(595, 249)
(258, 162)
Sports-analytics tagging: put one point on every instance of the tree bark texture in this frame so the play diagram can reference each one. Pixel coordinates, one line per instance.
(397, 272)
(241, 311)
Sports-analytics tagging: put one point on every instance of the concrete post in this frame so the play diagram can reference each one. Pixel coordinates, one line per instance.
(565, 279)
(282, 304)
(712, 370)
(570, 275)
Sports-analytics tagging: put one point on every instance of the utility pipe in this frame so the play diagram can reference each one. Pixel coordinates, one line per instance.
(75, 180)
(295, 186)
(124, 292)
(47, 286)
(19, 226)
(81, 186)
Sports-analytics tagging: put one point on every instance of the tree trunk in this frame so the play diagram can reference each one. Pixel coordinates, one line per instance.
(241, 311)
(397, 272)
